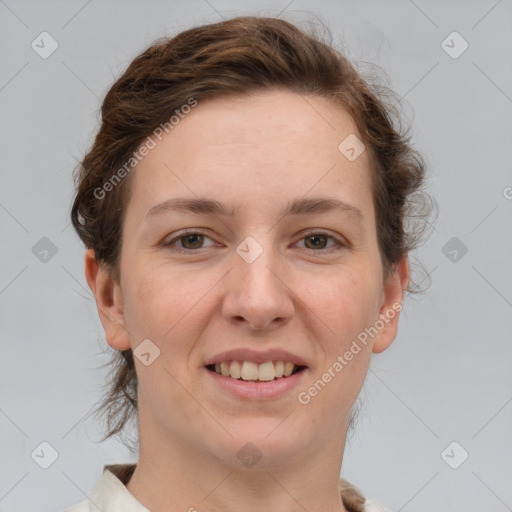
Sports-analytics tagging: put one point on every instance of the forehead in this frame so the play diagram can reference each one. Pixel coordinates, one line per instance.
(255, 119)
(270, 146)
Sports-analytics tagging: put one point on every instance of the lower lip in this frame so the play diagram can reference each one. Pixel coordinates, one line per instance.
(257, 390)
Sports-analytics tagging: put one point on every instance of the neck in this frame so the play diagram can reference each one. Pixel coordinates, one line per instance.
(172, 474)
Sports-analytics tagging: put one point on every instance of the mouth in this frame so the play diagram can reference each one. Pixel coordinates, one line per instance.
(251, 371)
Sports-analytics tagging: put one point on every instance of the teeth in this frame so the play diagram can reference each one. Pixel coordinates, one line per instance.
(235, 370)
(224, 368)
(266, 371)
(249, 370)
(288, 368)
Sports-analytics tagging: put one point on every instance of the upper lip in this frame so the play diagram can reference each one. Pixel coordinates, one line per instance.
(245, 354)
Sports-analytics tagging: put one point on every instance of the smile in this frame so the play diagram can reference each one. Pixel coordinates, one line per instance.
(251, 371)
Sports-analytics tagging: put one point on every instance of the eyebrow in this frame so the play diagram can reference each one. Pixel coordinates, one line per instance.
(200, 206)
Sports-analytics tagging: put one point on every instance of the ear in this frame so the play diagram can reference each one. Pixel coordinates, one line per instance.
(108, 301)
(391, 305)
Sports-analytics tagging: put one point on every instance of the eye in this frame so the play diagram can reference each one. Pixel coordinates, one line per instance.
(190, 240)
(316, 241)
(194, 240)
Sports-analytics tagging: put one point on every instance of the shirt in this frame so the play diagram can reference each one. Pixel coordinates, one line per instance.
(111, 495)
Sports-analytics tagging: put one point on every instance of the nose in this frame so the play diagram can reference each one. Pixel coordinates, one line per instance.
(257, 294)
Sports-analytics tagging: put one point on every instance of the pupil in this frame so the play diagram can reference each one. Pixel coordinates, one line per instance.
(193, 239)
(316, 237)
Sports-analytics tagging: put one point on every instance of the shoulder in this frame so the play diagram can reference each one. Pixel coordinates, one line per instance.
(374, 506)
(355, 501)
(110, 493)
(82, 506)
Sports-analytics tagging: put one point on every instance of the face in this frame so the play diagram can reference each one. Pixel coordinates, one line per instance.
(248, 230)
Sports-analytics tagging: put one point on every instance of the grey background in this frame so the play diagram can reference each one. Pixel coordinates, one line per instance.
(446, 378)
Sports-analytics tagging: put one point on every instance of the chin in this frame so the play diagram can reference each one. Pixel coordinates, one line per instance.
(262, 443)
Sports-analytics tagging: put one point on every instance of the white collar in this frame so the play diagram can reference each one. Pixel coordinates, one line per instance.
(110, 494)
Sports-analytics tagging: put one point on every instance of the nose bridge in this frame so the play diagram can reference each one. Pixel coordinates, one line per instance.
(256, 291)
(256, 264)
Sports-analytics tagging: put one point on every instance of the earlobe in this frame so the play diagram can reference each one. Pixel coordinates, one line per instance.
(108, 301)
(389, 313)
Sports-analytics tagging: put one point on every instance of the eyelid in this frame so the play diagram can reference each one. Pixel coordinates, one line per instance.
(339, 241)
(182, 234)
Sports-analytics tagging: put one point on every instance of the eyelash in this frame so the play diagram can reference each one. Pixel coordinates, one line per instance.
(339, 243)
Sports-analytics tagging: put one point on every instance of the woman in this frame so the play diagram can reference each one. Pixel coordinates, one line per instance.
(243, 208)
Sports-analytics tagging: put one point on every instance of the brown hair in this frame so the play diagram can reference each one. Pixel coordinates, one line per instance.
(236, 57)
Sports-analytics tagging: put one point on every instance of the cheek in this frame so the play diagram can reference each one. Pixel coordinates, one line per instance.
(344, 301)
(345, 305)
(164, 303)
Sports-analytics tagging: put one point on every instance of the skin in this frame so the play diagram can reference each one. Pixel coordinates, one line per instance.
(255, 153)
